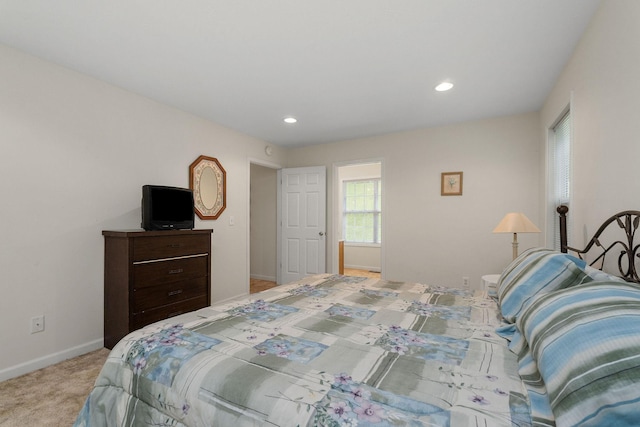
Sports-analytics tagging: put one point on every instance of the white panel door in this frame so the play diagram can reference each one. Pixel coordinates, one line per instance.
(302, 211)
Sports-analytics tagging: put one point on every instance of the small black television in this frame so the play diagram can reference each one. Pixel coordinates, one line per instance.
(167, 208)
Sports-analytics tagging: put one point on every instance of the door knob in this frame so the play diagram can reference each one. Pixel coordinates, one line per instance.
(321, 233)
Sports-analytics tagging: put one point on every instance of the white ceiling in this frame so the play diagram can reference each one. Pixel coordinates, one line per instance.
(345, 68)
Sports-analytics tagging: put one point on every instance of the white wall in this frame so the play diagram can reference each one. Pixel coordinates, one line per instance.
(75, 154)
(602, 75)
(362, 257)
(436, 239)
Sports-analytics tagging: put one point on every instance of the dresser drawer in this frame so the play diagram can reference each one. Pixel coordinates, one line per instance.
(158, 247)
(146, 317)
(159, 272)
(168, 293)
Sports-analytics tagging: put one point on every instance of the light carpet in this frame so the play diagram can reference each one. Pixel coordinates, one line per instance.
(52, 396)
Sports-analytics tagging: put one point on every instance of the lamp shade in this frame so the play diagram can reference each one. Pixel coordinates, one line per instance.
(516, 222)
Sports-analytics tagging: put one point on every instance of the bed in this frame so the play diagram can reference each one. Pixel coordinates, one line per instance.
(558, 345)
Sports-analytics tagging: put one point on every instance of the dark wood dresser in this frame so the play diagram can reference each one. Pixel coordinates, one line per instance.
(153, 275)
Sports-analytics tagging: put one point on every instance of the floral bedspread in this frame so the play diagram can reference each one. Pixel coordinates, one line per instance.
(326, 351)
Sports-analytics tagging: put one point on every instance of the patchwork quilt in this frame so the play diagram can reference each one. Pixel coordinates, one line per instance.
(328, 350)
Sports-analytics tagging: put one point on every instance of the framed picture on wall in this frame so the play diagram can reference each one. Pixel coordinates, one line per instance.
(451, 184)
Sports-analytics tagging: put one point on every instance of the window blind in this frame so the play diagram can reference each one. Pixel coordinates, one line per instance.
(560, 172)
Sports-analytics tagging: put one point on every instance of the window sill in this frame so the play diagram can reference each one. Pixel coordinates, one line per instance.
(362, 245)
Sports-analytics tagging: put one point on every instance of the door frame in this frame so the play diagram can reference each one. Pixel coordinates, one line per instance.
(269, 165)
(335, 212)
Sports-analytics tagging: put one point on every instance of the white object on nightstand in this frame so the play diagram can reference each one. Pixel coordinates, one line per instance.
(490, 283)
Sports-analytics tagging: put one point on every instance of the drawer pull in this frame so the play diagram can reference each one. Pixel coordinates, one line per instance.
(176, 271)
(174, 293)
(175, 313)
(175, 245)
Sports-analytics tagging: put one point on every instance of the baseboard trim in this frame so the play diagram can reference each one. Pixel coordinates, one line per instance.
(51, 359)
(363, 267)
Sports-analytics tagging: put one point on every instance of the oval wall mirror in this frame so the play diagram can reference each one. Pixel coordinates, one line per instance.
(208, 181)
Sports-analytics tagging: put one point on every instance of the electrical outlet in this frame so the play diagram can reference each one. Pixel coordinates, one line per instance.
(37, 324)
(465, 282)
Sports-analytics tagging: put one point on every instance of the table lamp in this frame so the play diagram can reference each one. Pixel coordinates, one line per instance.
(516, 222)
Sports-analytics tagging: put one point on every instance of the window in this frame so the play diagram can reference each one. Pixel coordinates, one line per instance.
(362, 212)
(560, 172)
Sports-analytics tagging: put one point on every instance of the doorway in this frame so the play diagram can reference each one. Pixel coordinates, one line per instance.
(263, 222)
(358, 216)
(262, 226)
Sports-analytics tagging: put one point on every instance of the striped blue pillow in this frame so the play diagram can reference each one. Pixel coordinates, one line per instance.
(601, 276)
(585, 341)
(536, 272)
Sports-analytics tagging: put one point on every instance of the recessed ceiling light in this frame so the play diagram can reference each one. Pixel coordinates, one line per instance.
(444, 86)
(290, 120)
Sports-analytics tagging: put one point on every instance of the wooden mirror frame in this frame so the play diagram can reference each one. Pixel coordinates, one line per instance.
(209, 202)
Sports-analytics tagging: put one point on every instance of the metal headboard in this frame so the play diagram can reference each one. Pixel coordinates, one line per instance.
(628, 221)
